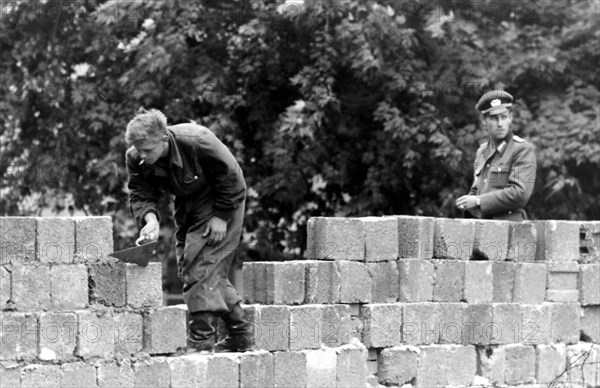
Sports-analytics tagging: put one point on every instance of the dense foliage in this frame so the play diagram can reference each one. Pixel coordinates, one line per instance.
(332, 107)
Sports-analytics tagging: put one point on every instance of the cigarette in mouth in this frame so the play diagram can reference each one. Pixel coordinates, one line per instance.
(142, 162)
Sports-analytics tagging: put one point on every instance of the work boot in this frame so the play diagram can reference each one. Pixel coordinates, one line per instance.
(201, 336)
(240, 337)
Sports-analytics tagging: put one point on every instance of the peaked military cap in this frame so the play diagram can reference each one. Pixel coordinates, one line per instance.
(494, 102)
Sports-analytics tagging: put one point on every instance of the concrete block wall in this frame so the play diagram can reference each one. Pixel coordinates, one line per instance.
(379, 301)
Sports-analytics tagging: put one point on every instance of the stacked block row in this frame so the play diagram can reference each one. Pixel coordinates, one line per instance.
(91, 333)
(343, 366)
(375, 239)
(55, 240)
(504, 365)
(53, 264)
(413, 281)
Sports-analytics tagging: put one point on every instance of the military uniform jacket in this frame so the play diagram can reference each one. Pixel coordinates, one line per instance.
(201, 172)
(504, 177)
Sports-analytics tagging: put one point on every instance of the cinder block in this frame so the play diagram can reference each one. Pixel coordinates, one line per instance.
(31, 288)
(492, 361)
(272, 328)
(530, 283)
(305, 327)
(321, 368)
(355, 282)
(144, 285)
(565, 322)
(290, 369)
(421, 323)
(17, 240)
(479, 283)
(503, 274)
(10, 375)
(416, 280)
(522, 241)
(432, 370)
(381, 238)
(223, 370)
(351, 365)
(453, 238)
(115, 375)
(462, 365)
(285, 282)
(384, 279)
(188, 371)
(57, 336)
(507, 318)
(450, 317)
(5, 285)
(491, 239)
(520, 364)
(478, 325)
(323, 282)
(557, 240)
(69, 286)
(583, 360)
(551, 362)
(398, 365)
(165, 330)
(335, 238)
(18, 336)
(449, 281)
(590, 323)
(55, 240)
(78, 374)
(95, 334)
(93, 238)
(589, 284)
(129, 330)
(107, 284)
(152, 372)
(589, 242)
(562, 275)
(382, 325)
(250, 283)
(336, 325)
(415, 237)
(562, 296)
(34, 376)
(257, 369)
(537, 325)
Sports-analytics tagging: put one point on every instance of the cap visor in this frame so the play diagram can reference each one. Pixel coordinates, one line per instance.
(496, 110)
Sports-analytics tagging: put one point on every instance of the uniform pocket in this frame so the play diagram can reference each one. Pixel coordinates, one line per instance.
(499, 177)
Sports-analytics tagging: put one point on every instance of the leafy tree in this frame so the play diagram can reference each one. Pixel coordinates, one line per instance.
(332, 108)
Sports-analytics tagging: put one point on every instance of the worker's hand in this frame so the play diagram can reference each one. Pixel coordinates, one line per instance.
(150, 231)
(215, 230)
(467, 202)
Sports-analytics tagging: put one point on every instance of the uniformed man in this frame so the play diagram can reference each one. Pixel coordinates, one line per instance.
(505, 165)
(190, 162)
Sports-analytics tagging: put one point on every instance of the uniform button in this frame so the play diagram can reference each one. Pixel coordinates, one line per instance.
(509, 212)
(487, 165)
(195, 176)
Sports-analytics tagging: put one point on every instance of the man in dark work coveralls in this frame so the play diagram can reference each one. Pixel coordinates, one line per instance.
(505, 165)
(190, 162)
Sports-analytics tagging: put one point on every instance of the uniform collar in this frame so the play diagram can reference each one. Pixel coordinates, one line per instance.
(174, 155)
(500, 147)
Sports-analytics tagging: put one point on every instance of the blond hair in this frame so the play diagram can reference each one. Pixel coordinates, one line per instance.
(146, 125)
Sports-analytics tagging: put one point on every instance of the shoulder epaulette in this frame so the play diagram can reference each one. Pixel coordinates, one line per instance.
(483, 145)
(518, 139)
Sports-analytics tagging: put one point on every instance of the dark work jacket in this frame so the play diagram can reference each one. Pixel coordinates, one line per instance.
(504, 179)
(200, 171)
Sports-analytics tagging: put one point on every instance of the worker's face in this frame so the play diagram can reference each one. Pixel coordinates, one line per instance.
(497, 125)
(151, 150)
